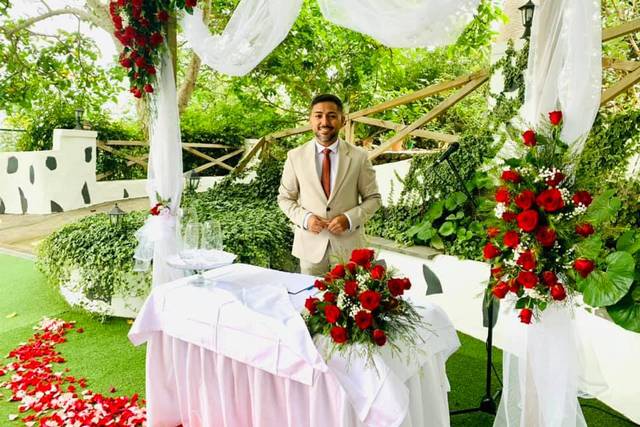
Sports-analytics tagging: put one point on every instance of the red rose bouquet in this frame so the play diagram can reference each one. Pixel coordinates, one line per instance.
(543, 240)
(361, 302)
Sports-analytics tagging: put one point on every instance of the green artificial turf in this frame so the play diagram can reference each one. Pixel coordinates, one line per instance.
(104, 355)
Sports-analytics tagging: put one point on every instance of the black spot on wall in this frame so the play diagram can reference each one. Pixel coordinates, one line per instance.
(88, 154)
(51, 163)
(12, 164)
(85, 194)
(2, 208)
(125, 194)
(56, 207)
(32, 174)
(23, 201)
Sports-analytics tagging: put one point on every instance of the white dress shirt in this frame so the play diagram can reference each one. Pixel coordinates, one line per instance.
(333, 156)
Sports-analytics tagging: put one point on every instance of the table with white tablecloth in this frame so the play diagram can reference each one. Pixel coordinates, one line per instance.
(237, 353)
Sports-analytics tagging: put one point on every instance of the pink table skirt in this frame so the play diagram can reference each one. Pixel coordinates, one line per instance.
(195, 387)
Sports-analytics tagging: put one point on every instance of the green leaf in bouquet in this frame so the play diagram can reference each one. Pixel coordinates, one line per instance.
(626, 312)
(589, 248)
(476, 227)
(523, 302)
(629, 241)
(447, 229)
(542, 305)
(604, 288)
(435, 211)
(436, 242)
(455, 200)
(603, 208)
(454, 216)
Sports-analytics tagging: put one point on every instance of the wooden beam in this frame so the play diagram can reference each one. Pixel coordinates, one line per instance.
(129, 163)
(204, 145)
(218, 162)
(620, 86)
(437, 111)
(245, 160)
(138, 160)
(423, 93)
(621, 30)
(427, 134)
(620, 65)
(288, 132)
(125, 143)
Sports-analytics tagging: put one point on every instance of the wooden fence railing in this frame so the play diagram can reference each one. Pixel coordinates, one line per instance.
(465, 85)
(189, 147)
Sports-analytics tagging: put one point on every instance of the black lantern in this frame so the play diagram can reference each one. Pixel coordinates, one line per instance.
(79, 114)
(193, 181)
(527, 18)
(115, 215)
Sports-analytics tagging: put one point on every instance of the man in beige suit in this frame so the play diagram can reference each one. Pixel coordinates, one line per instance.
(328, 190)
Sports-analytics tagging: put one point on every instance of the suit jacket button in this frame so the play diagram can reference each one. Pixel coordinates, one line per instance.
(328, 208)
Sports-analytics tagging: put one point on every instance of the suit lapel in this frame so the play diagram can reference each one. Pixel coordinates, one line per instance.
(309, 163)
(344, 159)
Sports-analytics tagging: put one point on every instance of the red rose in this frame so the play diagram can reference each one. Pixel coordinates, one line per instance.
(332, 313)
(140, 62)
(549, 278)
(550, 200)
(338, 271)
(155, 210)
(529, 138)
(377, 272)
(556, 179)
(557, 292)
(493, 232)
(496, 272)
(582, 197)
(144, 22)
(555, 117)
(190, 3)
(407, 283)
(525, 199)
(379, 337)
(328, 278)
(509, 216)
(490, 251)
(126, 63)
(352, 267)
(370, 300)
(339, 334)
(150, 69)
(351, 288)
(585, 229)
(525, 315)
(320, 285)
(528, 220)
(329, 297)
(141, 41)
(117, 22)
(502, 195)
(363, 319)
(527, 279)
(514, 286)
(156, 39)
(583, 266)
(396, 287)
(500, 290)
(546, 236)
(163, 16)
(511, 176)
(311, 304)
(362, 256)
(148, 88)
(137, 92)
(526, 260)
(511, 239)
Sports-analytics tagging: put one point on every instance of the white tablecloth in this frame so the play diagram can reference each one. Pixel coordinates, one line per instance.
(238, 354)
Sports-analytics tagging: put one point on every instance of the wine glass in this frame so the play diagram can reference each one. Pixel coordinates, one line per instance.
(211, 235)
(191, 245)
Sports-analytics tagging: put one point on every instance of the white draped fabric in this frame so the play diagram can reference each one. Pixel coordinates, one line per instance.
(565, 66)
(257, 27)
(403, 23)
(157, 239)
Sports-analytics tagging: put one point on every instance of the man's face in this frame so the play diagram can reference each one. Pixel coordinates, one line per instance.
(326, 121)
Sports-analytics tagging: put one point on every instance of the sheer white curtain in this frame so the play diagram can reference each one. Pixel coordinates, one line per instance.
(157, 238)
(257, 27)
(565, 66)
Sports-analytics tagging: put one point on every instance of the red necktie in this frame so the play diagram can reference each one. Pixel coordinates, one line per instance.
(326, 172)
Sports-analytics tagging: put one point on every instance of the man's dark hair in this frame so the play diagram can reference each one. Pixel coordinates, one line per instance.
(327, 97)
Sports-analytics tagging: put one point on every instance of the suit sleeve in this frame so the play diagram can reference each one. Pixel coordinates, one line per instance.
(288, 195)
(370, 199)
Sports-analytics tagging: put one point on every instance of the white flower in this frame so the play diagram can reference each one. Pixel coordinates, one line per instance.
(500, 209)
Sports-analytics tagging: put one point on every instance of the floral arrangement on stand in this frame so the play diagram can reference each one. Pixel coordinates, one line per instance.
(545, 237)
(361, 303)
(141, 27)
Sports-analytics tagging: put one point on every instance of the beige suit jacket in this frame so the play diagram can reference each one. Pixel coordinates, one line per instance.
(355, 193)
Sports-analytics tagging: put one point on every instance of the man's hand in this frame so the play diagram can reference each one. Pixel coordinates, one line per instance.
(316, 224)
(339, 224)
